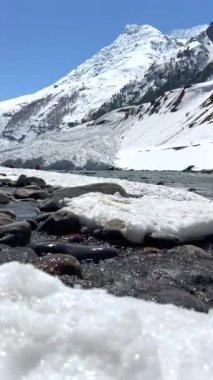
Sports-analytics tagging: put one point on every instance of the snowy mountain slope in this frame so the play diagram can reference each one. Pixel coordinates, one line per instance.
(78, 121)
(85, 89)
(191, 63)
(186, 34)
(173, 132)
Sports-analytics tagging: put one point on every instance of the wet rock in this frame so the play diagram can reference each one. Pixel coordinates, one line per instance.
(60, 264)
(52, 205)
(190, 252)
(162, 241)
(5, 219)
(8, 212)
(176, 297)
(113, 231)
(80, 252)
(33, 224)
(56, 201)
(151, 250)
(30, 193)
(62, 222)
(4, 198)
(160, 183)
(20, 254)
(15, 234)
(77, 238)
(32, 187)
(24, 181)
(192, 189)
(104, 188)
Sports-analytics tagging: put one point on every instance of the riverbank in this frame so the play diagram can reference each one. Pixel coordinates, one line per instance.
(164, 270)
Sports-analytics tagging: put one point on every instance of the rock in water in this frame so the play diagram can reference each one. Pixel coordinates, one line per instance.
(60, 264)
(8, 212)
(4, 199)
(62, 222)
(23, 181)
(57, 200)
(15, 234)
(25, 193)
(80, 252)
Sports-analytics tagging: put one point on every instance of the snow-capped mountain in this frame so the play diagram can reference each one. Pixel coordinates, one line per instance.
(85, 89)
(186, 34)
(173, 132)
(79, 121)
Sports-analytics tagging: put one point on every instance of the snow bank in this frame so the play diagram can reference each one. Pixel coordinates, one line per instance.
(183, 218)
(161, 158)
(49, 331)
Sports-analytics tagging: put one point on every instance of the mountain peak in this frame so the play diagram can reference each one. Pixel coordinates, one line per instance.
(132, 29)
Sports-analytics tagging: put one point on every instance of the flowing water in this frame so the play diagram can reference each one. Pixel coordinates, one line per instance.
(201, 183)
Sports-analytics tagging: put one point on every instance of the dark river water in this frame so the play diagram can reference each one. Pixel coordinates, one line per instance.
(201, 183)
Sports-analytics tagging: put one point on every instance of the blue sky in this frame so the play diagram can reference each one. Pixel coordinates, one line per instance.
(42, 40)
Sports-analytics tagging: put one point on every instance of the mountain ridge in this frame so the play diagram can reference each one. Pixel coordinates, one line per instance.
(140, 66)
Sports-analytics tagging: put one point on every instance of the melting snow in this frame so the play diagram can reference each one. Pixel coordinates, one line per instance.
(49, 331)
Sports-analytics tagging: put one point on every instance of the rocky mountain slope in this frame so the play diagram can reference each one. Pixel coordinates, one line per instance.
(133, 87)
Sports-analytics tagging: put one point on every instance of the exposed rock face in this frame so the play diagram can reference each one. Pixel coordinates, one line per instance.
(209, 32)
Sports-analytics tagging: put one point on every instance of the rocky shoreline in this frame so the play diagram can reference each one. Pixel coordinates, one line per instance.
(164, 270)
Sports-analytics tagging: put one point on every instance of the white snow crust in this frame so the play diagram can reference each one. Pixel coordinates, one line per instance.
(49, 331)
(160, 209)
(156, 212)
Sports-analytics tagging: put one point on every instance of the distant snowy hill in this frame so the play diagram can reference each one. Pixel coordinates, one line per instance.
(117, 103)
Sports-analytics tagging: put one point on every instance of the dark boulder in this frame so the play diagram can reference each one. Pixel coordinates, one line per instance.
(15, 234)
(113, 232)
(162, 241)
(8, 212)
(24, 181)
(62, 222)
(56, 201)
(176, 297)
(25, 193)
(60, 264)
(51, 205)
(4, 198)
(80, 252)
(32, 187)
(33, 224)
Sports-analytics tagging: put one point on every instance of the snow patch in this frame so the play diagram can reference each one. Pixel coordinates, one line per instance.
(50, 331)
